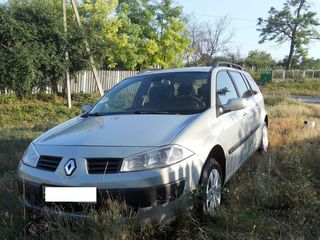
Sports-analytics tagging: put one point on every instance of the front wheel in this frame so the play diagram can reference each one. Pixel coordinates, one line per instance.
(211, 182)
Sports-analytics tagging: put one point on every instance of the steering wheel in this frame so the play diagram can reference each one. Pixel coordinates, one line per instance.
(191, 101)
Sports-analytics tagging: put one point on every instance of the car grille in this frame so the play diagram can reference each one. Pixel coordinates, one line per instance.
(48, 163)
(103, 165)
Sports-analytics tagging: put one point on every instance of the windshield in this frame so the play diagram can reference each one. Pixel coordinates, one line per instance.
(165, 93)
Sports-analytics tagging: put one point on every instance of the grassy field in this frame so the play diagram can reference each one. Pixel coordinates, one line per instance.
(275, 196)
(304, 87)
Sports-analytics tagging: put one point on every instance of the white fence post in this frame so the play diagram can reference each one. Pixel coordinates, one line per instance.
(118, 76)
(84, 79)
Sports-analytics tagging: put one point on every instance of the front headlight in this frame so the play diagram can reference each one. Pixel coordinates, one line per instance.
(156, 158)
(31, 156)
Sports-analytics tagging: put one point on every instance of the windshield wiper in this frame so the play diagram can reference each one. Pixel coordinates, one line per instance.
(191, 111)
(96, 114)
(152, 112)
(129, 112)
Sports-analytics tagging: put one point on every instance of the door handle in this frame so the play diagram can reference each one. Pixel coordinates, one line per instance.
(245, 114)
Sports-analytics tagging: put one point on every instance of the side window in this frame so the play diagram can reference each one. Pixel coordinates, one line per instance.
(252, 83)
(243, 89)
(225, 88)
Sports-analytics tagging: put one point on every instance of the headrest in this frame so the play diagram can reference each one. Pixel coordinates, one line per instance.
(159, 93)
(186, 90)
(203, 91)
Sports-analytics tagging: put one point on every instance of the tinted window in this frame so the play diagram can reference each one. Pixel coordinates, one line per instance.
(225, 88)
(252, 83)
(244, 91)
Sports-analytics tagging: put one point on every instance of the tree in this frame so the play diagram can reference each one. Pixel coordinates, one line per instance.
(310, 64)
(295, 62)
(131, 34)
(160, 32)
(101, 27)
(234, 56)
(32, 45)
(137, 18)
(208, 41)
(172, 34)
(260, 60)
(294, 23)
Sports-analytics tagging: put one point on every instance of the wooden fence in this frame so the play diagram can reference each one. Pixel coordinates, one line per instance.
(84, 80)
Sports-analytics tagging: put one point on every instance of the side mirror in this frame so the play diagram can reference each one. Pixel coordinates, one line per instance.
(86, 108)
(235, 104)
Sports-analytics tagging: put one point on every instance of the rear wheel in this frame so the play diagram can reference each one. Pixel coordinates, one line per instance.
(264, 139)
(211, 183)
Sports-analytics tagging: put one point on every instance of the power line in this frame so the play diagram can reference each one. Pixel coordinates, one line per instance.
(215, 16)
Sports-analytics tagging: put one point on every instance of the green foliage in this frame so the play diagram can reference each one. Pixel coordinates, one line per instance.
(172, 35)
(310, 63)
(159, 31)
(295, 23)
(32, 46)
(127, 35)
(260, 60)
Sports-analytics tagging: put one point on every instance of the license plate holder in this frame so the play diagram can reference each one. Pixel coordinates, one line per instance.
(69, 194)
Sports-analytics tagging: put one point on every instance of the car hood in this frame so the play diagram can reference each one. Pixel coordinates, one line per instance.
(117, 130)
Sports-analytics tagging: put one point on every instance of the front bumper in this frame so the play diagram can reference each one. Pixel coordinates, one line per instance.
(149, 204)
(133, 197)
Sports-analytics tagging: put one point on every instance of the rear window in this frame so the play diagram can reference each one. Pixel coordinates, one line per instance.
(242, 87)
(252, 83)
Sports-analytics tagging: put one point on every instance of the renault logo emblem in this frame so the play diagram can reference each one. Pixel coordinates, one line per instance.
(70, 167)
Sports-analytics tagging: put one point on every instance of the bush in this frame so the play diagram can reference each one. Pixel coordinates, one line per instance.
(7, 98)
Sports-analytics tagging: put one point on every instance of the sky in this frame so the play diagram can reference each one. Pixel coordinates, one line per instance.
(243, 15)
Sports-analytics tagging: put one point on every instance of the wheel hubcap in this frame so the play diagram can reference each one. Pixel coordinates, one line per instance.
(213, 191)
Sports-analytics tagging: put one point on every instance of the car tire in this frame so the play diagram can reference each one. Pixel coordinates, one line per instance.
(264, 139)
(211, 184)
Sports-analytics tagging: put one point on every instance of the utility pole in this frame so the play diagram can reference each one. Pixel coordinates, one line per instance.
(64, 9)
(94, 70)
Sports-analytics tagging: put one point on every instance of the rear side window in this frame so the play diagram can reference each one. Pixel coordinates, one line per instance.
(225, 88)
(252, 83)
(244, 90)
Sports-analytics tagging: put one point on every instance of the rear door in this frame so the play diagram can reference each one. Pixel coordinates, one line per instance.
(258, 106)
(252, 113)
(235, 123)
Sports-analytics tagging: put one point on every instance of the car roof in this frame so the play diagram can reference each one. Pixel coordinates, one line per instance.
(174, 70)
(189, 69)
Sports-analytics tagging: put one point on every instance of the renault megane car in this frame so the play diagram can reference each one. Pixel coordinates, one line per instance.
(150, 141)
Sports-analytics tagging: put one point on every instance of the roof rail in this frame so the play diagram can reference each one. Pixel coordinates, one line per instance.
(226, 64)
(148, 70)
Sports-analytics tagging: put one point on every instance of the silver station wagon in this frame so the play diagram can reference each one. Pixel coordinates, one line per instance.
(150, 141)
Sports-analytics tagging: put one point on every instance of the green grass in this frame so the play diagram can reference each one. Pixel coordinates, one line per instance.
(275, 196)
(304, 87)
